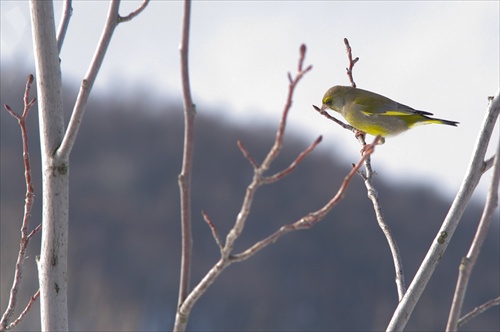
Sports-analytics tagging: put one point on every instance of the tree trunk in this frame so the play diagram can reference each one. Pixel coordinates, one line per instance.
(52, 263)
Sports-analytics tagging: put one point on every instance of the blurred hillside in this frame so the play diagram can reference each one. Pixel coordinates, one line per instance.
(125, 235)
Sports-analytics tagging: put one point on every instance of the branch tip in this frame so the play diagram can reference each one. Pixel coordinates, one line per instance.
(213, 229)
(247, 154)
(303, 49)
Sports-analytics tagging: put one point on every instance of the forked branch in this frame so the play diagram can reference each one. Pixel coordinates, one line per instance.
(367, 176)
(28, 204)
(312, 218)
(112, 21)
(258, 180)
(443, 237)
(469, 261)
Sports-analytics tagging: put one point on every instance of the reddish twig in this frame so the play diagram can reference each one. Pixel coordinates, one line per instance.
(293, 165)
(367, 177)
(213, 229)
(312, 218)
(337, 121)
(24, 312)
(186, 306)
(288, 105)
(25, 237)
(271, 156)
(247, 154)
(322, 111)
(352, 62)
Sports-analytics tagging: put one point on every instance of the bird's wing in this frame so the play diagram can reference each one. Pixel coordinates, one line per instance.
(384, 106)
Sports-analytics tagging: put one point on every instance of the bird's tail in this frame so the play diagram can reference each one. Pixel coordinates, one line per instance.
(429, 120)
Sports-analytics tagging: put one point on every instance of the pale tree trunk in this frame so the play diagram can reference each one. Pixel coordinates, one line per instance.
(52, 263)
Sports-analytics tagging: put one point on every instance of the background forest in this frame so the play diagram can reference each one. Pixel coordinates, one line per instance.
(125, 232)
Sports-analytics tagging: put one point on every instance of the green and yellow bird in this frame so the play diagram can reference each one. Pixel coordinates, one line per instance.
(375, 114)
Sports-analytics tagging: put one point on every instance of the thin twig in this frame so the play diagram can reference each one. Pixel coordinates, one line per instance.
(337, 121)
(24, 312)
(312, 218)
(64, 24)
(352, 62)
(235, 232)
(367, 177)
(134, 13)
(186, 306)
(213, 229)
(186, 171)
(305, 222)
(28, 205)
(278, 143)
(278, 176)
(470, 260)
(68, 141)
(372, 192)
(247, 154)
(373, 196)
(478, 310)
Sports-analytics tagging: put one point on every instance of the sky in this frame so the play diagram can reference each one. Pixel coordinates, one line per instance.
(441, 57)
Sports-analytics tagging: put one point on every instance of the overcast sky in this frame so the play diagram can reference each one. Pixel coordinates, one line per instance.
(442, 57)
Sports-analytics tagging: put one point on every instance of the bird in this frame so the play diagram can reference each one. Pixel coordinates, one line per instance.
(375, 114)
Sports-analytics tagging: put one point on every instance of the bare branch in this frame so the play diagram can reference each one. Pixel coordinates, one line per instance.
(309, 220)
(478, 310)
(34, 231)
(213, 229)
(88, 82)
(293, 165)
(64, 24)
(278, 143)
(487, 164)
(373, 196)
(367, 177)
(52, 262)
(28, 205)
(340, 123)
(273, 153)
(470, 260)
(305, 222)
(352, 62)
(23, 313)
(185, 175)
(247, 154)
(134, 13)
(445, 233)
(186, 305)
